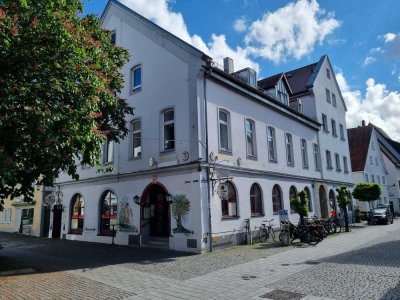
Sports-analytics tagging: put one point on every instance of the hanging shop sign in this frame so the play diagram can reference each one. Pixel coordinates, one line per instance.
(223, 191)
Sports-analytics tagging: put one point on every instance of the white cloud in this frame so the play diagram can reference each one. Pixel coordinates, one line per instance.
(240, 25)
(377, 50)
(389, 37)
(368, 60)
(160, 13)
(290, 31)
(379, 106)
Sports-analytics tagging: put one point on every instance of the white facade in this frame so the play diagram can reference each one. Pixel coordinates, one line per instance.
(374, 172)
(187, 147)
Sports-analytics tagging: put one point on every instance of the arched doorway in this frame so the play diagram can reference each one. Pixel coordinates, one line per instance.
(332, 200)
(323, 203)
(155, 214)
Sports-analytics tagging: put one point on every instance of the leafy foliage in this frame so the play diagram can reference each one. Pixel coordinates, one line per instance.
(59, 79)
(300, 205)
(344, 198)
(367, 192)
(180, 206)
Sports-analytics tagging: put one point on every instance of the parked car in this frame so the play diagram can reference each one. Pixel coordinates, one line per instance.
(380, 215)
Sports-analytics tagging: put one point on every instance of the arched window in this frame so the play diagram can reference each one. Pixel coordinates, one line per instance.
(292, 195)
(77, 214)
(108, 213)
(332, 200)
(229, 203)
(308, 193)
(255, 200)
(276, 199)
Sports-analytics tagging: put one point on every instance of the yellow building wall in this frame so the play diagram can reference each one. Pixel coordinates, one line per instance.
(16, 206)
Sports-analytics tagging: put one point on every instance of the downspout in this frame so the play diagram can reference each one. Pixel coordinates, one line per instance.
(322, 173)
(206, 72)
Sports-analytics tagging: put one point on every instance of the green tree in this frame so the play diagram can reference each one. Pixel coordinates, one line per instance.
(180, 207)
(300, 205)
(59, 81)
(367, 192)
(344, 198)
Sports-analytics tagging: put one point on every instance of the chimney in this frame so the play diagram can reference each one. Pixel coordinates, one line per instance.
(363, 123)
(228, 65)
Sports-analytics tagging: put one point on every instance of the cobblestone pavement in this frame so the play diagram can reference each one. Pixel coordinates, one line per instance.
(363, 264)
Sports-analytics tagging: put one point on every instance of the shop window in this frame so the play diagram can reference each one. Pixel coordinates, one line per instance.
(256, 200)
(108, 213)
(276, 199)
(229, 203)
(77, 214)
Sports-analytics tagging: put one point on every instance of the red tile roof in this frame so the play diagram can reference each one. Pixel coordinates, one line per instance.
(359, 139)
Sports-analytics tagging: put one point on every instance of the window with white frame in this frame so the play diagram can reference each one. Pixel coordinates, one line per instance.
(6, 215)
(366, 177)
(345, 165)
(168, 128)
(333, 123)
(337, 161)
(250, 138)
(316, 157)
(341, 129)
(108, 152)
(328, 160)
(224, 130)
(304, 154)
(328, 96)
(272, 156)
(289, 149)
(325, 123)
(136, 78)
(136, 138)
(333, 99)
(282, 94)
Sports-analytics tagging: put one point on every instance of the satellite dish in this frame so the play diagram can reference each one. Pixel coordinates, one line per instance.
(223, 191)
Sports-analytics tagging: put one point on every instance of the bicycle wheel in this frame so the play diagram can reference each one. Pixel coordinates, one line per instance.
(272, 233)
(313, 238)
(334, 228)
(338, 228)
(263, 236)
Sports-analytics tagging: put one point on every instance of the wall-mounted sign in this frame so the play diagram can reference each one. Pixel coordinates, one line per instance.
(223, 191)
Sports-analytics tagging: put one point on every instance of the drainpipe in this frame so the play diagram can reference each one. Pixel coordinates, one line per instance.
(322, 173)
(206, 72)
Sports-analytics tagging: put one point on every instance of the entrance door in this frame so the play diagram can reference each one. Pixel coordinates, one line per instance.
(323, 203)
(159, 212)
(46, 221)
(57, 215)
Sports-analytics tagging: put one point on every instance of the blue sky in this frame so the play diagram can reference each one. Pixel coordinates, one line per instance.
(362, 39)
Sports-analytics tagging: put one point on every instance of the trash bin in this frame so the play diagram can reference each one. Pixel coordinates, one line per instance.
(284, 236)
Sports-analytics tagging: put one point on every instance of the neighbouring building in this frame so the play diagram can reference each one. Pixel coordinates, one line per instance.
(390, 151)
(28, 218)
(238, 149)
(367, 161)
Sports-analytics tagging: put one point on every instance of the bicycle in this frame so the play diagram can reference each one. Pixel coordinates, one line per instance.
(266, 231)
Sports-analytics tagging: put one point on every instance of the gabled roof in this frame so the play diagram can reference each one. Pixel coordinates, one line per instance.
(359, 139)
(168, 35)
(299, 78)
(390, 147)
(272, 81)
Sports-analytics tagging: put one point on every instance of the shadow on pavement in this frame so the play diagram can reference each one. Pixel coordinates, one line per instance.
(49, 255)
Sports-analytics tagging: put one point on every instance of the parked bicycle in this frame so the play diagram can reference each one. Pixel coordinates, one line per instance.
(266, 231)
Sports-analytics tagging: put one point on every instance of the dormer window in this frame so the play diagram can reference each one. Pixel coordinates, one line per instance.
(282, 93)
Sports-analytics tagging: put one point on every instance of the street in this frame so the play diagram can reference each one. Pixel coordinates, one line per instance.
(362, 264)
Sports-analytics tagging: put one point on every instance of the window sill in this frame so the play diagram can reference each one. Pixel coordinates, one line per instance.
(291, 165)
(335, 135)
(273, 161)
(135, 90)
(257, 215)
(226, 152)
(305, 167)
(338, 170)
(252, 157)
(227, 218)
(329, 168)
(135, 158)
(167, 151)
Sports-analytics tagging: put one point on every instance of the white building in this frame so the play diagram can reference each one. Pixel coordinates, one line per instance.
(390, 151)
(367, 161)
(206, 132)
